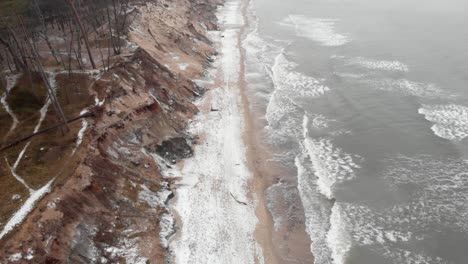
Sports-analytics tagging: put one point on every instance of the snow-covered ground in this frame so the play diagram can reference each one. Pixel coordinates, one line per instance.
(26, 208)
(43, 114)
(81, 132)
(34, 195)
(11, 82)
(215, 206)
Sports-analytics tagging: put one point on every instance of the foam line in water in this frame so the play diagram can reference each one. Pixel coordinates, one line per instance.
(405, 256)
(338, 237)
(373, 64)
(331, 165)
(437, 205)
(317, 212)
(407, 87)
(291, 87)
(439, 201)
(450, 121)
(319, 30)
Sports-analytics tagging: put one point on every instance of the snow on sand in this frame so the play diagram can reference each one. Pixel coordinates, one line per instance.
(216, 210)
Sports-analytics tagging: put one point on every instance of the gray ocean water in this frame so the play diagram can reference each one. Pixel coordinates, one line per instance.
(367, 101)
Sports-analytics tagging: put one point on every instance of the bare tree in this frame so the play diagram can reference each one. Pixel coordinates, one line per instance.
(83, 32)
(44, 32)
(36, 58)
(117, 16)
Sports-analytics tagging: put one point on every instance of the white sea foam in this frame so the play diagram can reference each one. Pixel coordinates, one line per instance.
(370, 227)
(318, 29)
(283, 109)
(320, 121)
(297, 84)
(317, 212)
(440, 199)
(260, 50)
(408, 257)
(288, 90)
(274, 204)
(338, 237)
(436, 204)
(331, 165)
(407, 87)
(349, 75)
(450, 121)
(373, 64)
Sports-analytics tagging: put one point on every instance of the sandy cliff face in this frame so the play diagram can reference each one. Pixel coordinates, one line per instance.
(112, 206)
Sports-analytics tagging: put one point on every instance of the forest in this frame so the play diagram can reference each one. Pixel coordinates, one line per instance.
(51, 52)
(37, 36)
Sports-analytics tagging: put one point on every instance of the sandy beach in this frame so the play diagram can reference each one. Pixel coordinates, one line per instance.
(222, 213)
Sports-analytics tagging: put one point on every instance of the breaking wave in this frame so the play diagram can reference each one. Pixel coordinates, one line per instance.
(320, 167)
(450, 121)
(330, 164)
(290, 88)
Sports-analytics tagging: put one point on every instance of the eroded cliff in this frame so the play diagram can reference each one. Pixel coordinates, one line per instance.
(107, 202)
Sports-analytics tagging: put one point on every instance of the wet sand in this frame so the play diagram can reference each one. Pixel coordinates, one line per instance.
(284, 245)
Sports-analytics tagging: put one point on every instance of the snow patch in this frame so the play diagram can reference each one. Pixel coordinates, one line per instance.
(26, 208)
(79, 138)
(183, 66)
(11, 82)
(15, 257)
(154, 199)
(127, 249)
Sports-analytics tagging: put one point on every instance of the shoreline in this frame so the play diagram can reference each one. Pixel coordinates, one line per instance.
(265, 226)
(281, 244)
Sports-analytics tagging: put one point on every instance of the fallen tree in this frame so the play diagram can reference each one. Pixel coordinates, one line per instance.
(45, 130)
